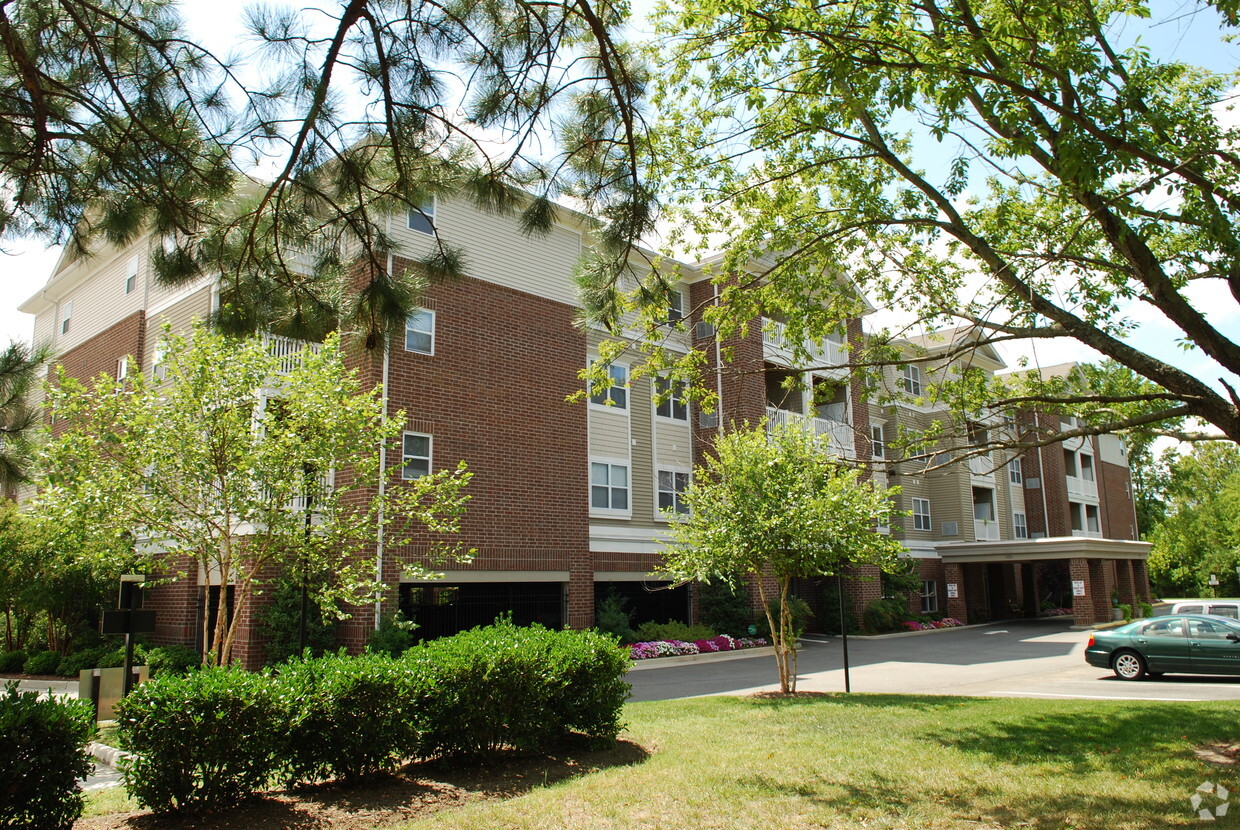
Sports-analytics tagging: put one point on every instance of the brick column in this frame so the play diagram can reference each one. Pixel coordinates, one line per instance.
(862, 585)
(1029, 588)
(1082, 607)
(956, 606)
(1141, 579)
(1124, 580)
(580, 590)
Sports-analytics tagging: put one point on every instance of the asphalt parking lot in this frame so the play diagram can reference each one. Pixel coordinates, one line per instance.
(1025, 658)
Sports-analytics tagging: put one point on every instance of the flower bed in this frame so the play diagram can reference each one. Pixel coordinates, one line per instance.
(946, 622)
(678, 648)
(1055, 612)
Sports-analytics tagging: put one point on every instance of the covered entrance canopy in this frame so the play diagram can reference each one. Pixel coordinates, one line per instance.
(991, 580)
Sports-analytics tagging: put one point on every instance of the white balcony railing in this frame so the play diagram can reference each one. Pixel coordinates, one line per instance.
(986, 530)
(981, 465)
(1082, 488)
(838, 434)
(1087, 534)
(288, 350)
(827, 352)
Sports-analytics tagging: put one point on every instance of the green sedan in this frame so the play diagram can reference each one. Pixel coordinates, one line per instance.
(1184, 643)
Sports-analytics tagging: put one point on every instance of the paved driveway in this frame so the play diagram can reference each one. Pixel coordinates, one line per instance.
(1028, 658)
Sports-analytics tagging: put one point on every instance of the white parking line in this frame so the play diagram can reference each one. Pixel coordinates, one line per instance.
(1104, 697)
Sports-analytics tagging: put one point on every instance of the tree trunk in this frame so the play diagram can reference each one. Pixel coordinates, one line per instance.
(777, 639)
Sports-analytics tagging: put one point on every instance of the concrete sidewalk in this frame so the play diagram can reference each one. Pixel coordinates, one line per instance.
(58, 687)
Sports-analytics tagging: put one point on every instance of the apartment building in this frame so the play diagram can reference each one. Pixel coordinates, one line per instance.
(568, 500)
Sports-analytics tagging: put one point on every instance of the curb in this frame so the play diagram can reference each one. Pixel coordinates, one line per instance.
(713, 657)
(897, 634)
(105, 754)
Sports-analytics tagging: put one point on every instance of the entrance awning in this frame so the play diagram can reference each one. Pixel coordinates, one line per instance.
(1042, 550)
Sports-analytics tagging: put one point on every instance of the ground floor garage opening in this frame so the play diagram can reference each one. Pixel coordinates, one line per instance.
(648, 600)
(443, 609)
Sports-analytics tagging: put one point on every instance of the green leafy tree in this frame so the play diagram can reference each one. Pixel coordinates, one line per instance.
(1201, 532)
(1010, 168)
(780, 506)
(113, 121)
(243, 464)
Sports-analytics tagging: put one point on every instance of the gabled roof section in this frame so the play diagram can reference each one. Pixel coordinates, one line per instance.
(762, 263)
(953, 340)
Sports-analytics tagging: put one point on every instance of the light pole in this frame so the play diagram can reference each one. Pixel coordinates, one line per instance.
(839, 587)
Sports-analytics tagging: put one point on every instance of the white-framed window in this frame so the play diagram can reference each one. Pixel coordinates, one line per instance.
(415, 456)
(921, 514)
(672, 485)
(1016, 473)
(1020, 527)
(615, 396)
(929, 596)
(883, 523)
(131, 276)
(670, 399)
(609, 486)
(422, 218)
(1087, 467)
(420, 331)
(122, 368)
(878, 446)
(158, 359)
(66, 315)
(911, 377)
(675, 306)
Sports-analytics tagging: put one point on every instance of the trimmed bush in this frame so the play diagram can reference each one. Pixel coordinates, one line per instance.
(885, 614)
(174, 660)
(100, 657)
(724, 608)
(613, 616)
(522, 687)
(348, 717)
(801, 614)
(204, 740)
(12, 662)
(650, 632)
(44, 662)
(393, 637)
(42, 755)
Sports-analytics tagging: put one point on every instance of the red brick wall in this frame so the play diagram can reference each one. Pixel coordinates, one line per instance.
(176, 607)
(101, 353)
(493, 394)
(1115, 505)
(1046, 463)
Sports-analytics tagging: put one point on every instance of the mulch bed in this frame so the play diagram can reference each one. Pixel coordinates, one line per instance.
(417, 790)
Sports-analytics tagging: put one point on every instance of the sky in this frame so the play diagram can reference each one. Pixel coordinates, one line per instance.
(1184, 34)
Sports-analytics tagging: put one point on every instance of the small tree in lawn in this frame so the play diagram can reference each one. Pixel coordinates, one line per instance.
(782, 506)
(244, 464)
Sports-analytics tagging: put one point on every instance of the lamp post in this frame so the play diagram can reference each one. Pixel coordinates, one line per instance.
(839, 587)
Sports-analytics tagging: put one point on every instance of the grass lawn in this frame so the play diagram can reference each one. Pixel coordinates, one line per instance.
(888, 761)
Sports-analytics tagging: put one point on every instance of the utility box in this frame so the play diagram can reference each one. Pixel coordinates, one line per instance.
(104, 687)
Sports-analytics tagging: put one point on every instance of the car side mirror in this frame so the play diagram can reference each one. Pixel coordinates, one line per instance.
(1235, 638)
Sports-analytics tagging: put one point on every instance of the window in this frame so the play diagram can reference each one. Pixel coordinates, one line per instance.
(122, 368)
(1087, 467)
(929, 596)
(158, 359)
(1019, 526)
(675, 306)
(609, 486)
(921, 514)
(911, 378)
(1016, 474)
(420, 331)
(878, 447)
(670, 395)
(65, 317)
(616, 395)
(672, 487)
(415, 456)
(131, 276)
(1091, 518)
(422, 218)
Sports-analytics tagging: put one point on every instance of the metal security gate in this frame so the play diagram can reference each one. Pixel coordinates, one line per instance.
(440, 610)
(649, 601)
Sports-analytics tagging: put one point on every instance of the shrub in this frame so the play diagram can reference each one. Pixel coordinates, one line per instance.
(280, 621)
(42, 755)
(612, 616)
(12, 662)
(100, 657)
(801, 614)
(206, 739)
(508, 686)
(348, 717)
(44, 662)
(885, 614)
(393, 637)
(172, 660)
(649, 632)
(724, 608)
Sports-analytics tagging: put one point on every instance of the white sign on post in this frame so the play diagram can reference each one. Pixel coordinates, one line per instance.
(1078, 587)
(952, 591)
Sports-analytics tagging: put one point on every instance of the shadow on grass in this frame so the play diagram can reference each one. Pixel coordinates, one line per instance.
(417, 790)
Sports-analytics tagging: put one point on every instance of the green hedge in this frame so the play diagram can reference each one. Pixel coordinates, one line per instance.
(347, 717)
(205, 739)
(43, 662)
(12, 662)
(42, 755)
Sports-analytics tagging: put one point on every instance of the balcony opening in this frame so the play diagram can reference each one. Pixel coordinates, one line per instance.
(830, 400)
(1087, 467)
(1069, 463)
(783, 390)
(979, 436)
(984, 516)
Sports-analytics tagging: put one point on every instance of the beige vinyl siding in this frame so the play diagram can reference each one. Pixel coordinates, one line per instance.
(100, 301)
(180, 316)
(609, 433)
(641, 470)
(673, 445)
(44, 325)
(495, 249)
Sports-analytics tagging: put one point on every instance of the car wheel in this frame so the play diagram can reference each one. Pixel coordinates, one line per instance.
(1128, 665)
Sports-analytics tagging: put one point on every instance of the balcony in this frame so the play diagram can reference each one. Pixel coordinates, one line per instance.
(838, 434)
(986, 530)
(1087, 534)
(1082, 488)
(982, 465)
(287, 350)
(827, 352)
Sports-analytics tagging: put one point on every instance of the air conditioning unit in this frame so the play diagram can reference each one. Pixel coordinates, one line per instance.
(1033, 483)
(708, 420)
(951, 528)
(703, 331)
